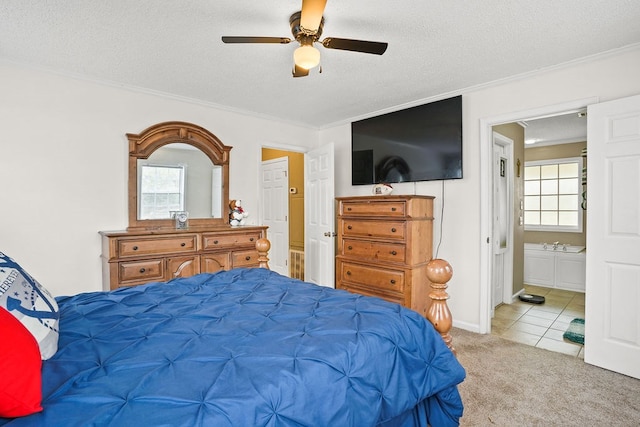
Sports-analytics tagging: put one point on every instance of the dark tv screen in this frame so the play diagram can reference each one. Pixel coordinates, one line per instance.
(421, 143)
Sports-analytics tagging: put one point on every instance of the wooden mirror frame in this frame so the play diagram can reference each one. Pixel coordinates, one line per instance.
(142, 145)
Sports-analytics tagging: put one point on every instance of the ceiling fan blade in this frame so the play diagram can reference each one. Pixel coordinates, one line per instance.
(299, 71)
(377, 48)
(311, 14)
(249, 39)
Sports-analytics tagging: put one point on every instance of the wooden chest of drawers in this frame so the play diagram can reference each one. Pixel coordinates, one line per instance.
(384, 245)
(141, 256)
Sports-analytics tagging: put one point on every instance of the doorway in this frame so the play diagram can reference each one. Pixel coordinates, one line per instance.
(275, 211)
(290, 242)
(487, 196)
(541, 325)
(311, 216)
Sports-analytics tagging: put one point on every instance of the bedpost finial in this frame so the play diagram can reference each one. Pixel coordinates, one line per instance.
(439, 272)
(262, 246)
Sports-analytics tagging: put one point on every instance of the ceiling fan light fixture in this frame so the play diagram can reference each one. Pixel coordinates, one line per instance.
(306, 57)
(306, 28)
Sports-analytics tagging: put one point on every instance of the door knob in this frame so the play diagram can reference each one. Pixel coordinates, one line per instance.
(330, 234)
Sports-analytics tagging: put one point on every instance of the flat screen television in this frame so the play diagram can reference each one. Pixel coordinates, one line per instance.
(421, 143)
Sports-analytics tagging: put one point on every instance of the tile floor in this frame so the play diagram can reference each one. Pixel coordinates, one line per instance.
(541, 325)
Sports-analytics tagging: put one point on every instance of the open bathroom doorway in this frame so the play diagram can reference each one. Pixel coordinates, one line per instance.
(555, 135)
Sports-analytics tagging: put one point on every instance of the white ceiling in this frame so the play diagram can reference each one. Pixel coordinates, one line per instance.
(561, 129)
(436, 48)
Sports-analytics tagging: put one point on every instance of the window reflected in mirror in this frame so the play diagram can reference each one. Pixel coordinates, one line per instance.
(161, 191)
(179, 177)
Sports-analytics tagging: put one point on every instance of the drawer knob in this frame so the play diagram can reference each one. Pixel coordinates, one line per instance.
(349, 209)
(393, 230)
(183, 244)
(348, 273)
(247, 258)
(251, 239)
(349, 227)
(349, 247)
(215, 242)
(135, 248)
(142, 270)
(393, 209)
(394, 253)
(393, 282)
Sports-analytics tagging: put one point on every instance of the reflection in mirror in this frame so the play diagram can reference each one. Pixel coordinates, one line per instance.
(179, 177)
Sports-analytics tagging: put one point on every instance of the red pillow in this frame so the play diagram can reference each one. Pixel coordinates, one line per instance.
(20, 369)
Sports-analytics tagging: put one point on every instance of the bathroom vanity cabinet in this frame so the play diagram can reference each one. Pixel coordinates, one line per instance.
(555, 268)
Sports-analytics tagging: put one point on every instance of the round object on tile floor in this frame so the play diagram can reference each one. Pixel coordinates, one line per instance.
(533, 299)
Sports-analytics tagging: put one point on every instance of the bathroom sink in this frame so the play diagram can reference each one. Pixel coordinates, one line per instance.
(551, 247)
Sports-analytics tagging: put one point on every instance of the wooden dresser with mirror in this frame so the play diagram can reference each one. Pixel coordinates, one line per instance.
(153, 248)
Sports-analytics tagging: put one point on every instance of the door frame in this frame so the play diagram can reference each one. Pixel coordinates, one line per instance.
(486, 191)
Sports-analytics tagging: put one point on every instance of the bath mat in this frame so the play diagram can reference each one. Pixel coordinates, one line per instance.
(575, 331)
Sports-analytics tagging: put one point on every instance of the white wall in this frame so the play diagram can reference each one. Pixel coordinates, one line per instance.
(608, 77)
(63, 161)
(63, 166)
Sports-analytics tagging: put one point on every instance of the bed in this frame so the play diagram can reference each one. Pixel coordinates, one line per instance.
(245, 347)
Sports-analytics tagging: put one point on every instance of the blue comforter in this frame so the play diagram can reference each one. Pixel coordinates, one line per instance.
(246, 347)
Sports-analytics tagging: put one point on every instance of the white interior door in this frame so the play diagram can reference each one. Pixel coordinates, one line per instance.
(612, 325)
(275, 211)
(502, 281)
(319, 208)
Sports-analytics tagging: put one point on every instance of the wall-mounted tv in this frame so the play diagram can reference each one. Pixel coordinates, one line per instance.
(421, 143)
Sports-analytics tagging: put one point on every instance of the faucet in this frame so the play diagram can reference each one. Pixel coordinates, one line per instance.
(555, 245)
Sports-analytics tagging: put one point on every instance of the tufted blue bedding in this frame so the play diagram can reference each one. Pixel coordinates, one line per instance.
(246, 347)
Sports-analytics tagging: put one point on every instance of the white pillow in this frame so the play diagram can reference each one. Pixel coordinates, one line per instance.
(30, 303)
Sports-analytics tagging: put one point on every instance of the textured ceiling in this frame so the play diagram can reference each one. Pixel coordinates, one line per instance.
(561, 129)
(435, 48)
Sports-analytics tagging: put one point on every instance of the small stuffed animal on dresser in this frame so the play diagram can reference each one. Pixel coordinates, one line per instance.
(237, 213)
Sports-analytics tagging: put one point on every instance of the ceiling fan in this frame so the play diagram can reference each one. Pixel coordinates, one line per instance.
(306, 27)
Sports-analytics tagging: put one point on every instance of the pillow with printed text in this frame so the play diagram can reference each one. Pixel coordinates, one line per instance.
(27, 300)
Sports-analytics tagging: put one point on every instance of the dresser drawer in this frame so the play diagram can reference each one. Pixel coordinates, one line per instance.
(371, 277)
(374, 251)
(218, 240)
(157, 245)
(395, 230)
(389, 208)
(141, 271)
(391, 297)
(244, 258)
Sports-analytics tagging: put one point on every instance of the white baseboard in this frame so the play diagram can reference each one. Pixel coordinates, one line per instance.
(515, 296)
(471, 327)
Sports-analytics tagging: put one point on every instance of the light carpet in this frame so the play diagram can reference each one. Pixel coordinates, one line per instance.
(512, 384)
